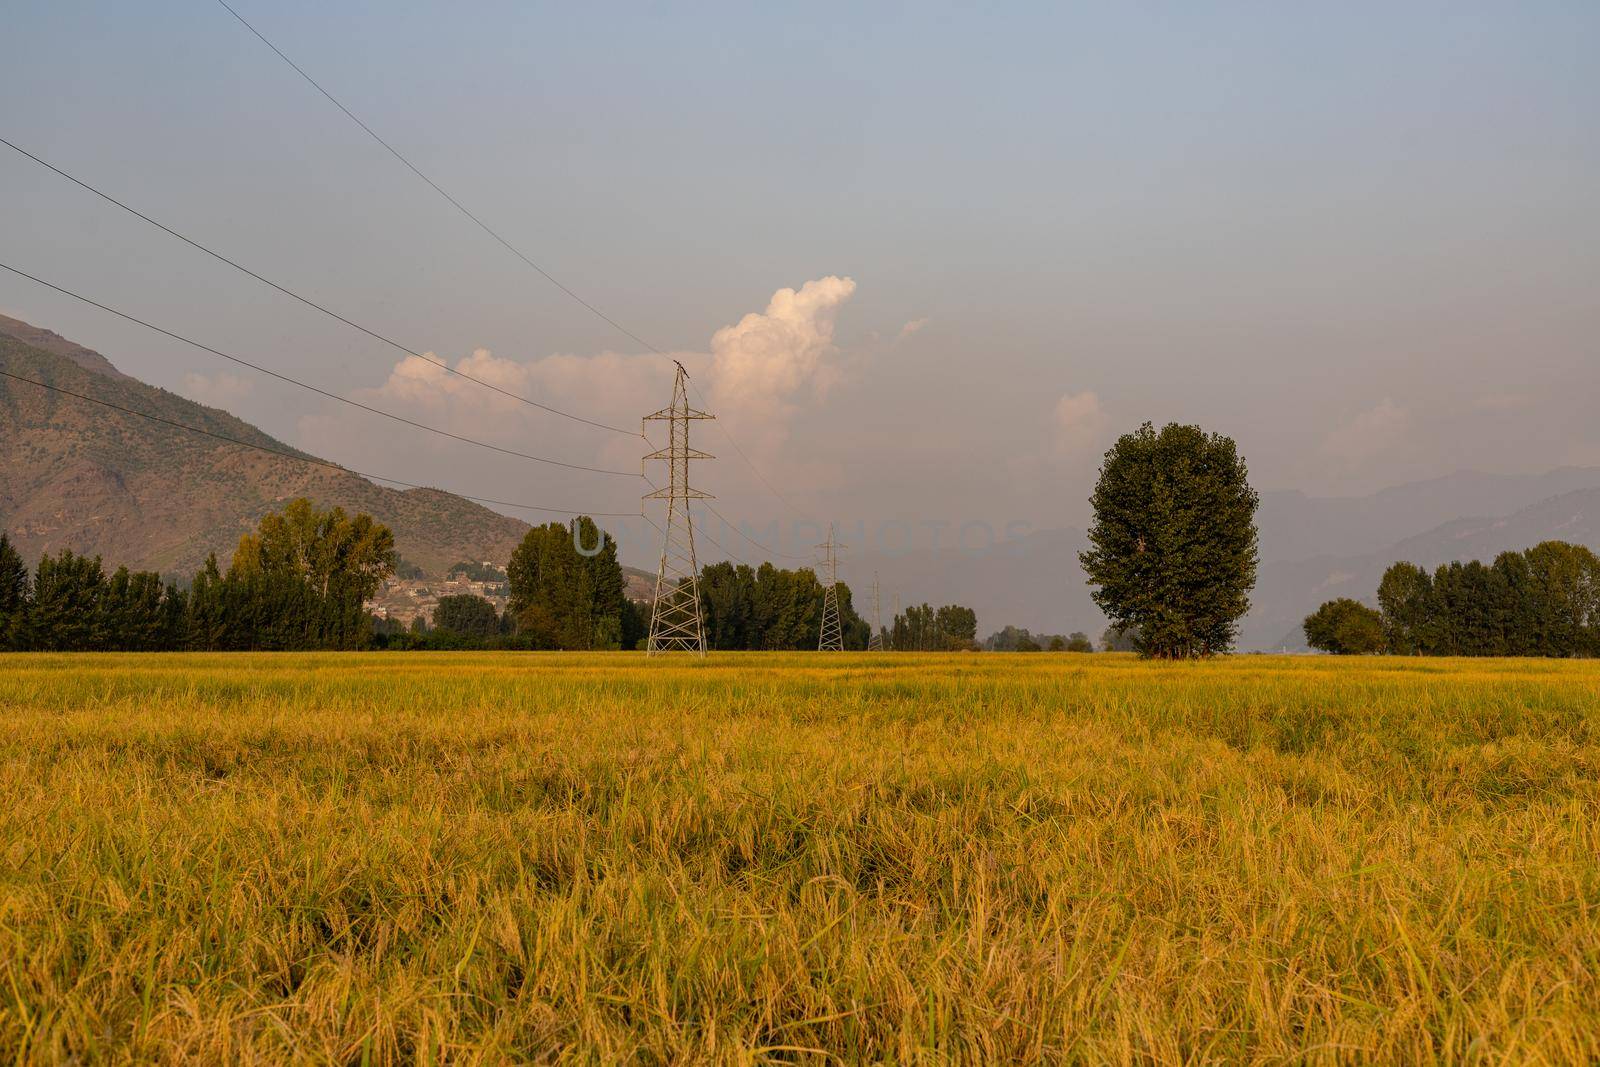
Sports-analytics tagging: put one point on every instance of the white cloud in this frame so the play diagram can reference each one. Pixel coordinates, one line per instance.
(759, 373)
(766, 364)
(218, 390)
(1369, 435)
(1080, 426)
(910, 328)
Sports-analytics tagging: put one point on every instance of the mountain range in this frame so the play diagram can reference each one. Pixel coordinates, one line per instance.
(79, 475)
(104, 482)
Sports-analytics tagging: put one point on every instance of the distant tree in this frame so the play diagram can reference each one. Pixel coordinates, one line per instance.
(1345, 627)
(467, 615)
(205, 620)
(1026, 643)
(958, 625)
(1005, 640)
(1564, 588)
(635, 624)
(131, 614)
(404, 568)
(1405, 600)
(65, 613)
(561, 598)
(727, 603)
(478, 572)
(13, 594)
(1057, 644)
(330, 550)
(1077, 642)
(1173, 542)
(1119, 639)
(302, 580)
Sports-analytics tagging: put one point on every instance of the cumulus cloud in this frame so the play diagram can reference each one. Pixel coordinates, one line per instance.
(218, 390)
(764, 365)
(758, 374)
(1370, 434)
(1080, 426)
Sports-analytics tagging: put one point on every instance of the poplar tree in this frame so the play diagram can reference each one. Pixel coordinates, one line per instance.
(1173, 542)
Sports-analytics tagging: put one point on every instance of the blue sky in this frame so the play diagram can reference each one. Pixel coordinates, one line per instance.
(1360, 238)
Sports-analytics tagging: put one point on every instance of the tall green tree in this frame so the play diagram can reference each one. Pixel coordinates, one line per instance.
(1405, 600)
(467, 615)
(1173, 543)
(563, 598)
(131, 612)
(958, 625)
(301, 581)
(13, 594)
(65, 614)
(1564, 584)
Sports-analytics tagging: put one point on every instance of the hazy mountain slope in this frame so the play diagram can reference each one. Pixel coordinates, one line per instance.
(77, 475)
(52, 342)
(1297, 527)
(1291, 589)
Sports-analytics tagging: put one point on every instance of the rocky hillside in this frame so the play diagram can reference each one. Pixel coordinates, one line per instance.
(77, 475)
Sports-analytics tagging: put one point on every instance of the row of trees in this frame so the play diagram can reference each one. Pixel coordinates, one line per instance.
(1544, 601)
(299, 582)
(771, 608)
(924, 628)
(1018, 639)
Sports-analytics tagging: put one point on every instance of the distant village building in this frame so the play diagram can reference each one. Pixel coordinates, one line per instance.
(406, 599)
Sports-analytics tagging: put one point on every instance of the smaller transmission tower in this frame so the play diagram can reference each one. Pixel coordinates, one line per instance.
(675, 624)
(832, 637)
(875, 642)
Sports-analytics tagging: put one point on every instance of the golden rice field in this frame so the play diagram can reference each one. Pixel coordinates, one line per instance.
(944, 858)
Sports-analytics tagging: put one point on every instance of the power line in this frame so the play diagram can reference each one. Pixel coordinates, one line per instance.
(740, 453)
(771, 552)
(312, 388)
(486, 228)
(312, 460)
(375, 335)
(738, 530)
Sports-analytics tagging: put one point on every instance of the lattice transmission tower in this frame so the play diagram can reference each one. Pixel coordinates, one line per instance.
(875, 642)
(675, 623)
(832, 637)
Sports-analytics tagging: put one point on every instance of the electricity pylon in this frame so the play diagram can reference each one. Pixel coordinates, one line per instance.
(831, 638)
(675, 624)
(875, 642)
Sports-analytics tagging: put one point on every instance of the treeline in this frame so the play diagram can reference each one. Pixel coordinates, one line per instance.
(1544, 601)
(1018, 639)
(300, 582)
(924, 628)
(770, 608)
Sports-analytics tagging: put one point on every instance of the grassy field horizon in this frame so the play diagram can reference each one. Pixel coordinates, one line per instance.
(481, 857)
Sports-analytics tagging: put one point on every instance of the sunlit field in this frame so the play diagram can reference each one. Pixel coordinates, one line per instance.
(490, 857)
